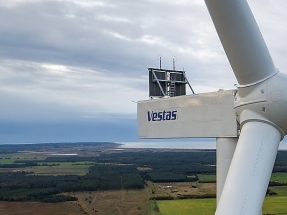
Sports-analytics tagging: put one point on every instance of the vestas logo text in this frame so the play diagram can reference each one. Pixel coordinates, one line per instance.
(161, 115)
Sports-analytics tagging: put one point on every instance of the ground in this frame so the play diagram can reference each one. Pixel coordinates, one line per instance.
(126, 202)
(36, 208)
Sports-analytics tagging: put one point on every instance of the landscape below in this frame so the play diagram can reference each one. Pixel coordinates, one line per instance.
(100, 178)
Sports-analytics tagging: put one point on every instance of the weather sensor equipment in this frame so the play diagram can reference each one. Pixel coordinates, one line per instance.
(163, 82)
(248, 122)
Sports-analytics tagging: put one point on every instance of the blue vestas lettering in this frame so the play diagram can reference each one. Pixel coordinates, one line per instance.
(154, 116)
(173, 115)
(161, 115)
(149, 116)
(168, 115)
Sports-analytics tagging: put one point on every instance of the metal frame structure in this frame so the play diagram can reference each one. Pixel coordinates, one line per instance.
(164, 82)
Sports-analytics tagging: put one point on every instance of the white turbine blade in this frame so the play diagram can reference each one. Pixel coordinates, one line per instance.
(225, 147)
(250, 170)
(241, 40)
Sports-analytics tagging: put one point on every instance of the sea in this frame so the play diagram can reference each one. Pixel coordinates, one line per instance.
(192, 144)
(196, 143)
(170, 145)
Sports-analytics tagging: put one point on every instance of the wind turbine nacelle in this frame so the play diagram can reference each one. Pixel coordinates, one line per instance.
(198, 115)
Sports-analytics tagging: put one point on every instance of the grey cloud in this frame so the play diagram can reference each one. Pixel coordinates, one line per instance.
(82, 59)
(49, 34)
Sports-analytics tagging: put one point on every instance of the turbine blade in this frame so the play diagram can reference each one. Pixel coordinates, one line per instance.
(225, 147)
(241, 39)
(250, 170)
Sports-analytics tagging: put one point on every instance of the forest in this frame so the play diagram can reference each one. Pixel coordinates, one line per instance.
(24, 186)
(109, 171)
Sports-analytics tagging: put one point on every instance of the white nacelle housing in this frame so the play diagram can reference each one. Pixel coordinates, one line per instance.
(198, 115)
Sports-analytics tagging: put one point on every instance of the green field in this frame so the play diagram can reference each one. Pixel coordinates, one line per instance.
(11, 157)
(70, 168)
(272, 205)
(6, 160)
(280, 190)
(65, 168)
(275, 205)
(280, 177)
(187, 207)
(206, 178)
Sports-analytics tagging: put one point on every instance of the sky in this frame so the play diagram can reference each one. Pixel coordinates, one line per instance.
(73, 70)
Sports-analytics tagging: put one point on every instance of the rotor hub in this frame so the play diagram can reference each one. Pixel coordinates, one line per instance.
(265, 101)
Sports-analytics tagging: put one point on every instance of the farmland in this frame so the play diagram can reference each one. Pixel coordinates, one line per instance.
(187, 207)
(36, 208)
(272, 205)
(91, 178)
(279, 177)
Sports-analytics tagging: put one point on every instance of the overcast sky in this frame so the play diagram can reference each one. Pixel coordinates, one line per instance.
(71, 69)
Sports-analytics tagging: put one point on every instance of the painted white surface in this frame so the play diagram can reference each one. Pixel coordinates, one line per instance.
(250, 170)
(200, 115)
(225, 148)
(265, 101)
(241, 39)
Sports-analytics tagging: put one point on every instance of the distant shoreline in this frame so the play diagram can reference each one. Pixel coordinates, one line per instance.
(193, 144)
